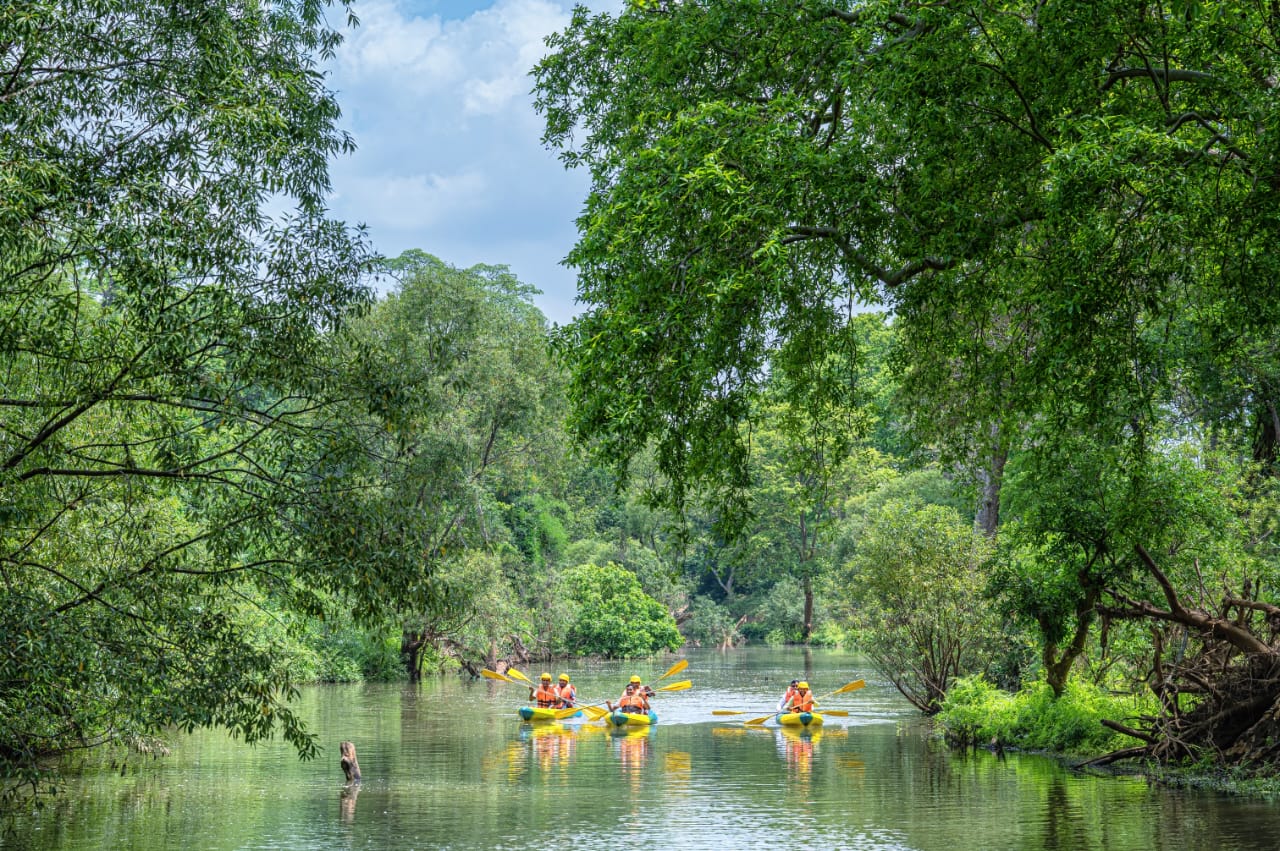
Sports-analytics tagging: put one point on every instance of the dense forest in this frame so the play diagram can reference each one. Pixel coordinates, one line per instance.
(943, 332)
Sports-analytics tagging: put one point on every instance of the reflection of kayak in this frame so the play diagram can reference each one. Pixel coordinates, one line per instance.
(800, 719)
(543, 713)
(541, 731)
(631, 719)
(629, 731)
(802, 734)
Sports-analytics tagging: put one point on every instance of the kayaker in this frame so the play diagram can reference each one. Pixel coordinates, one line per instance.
(787, 695)
(802, 700)
(634, 700)
(566, 694)
(545, 693)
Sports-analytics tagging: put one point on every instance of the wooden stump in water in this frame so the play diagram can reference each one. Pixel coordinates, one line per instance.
(350, 765)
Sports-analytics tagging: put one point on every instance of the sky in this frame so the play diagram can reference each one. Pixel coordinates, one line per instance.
(437, 96)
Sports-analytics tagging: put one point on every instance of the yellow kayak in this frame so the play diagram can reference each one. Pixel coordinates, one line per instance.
(543, 713)
(800, 719)
(631, 719)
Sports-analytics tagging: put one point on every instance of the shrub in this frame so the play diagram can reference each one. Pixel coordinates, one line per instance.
(1032, 719)
(613, 616)
(710, 625)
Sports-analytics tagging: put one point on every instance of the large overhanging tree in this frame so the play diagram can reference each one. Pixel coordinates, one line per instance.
(1046, 195)
(162, 364)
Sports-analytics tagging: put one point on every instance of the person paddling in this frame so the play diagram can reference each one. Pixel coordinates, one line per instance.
(566, 694)
(787, 695)
(634, 700)
(544, 694)
(802, 700)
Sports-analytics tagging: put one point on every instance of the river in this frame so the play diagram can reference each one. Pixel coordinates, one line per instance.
(447, 764)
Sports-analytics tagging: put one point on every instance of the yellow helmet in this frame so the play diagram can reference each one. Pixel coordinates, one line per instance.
(802, 685)
(564, 678)
(635, 679)
(545, 677)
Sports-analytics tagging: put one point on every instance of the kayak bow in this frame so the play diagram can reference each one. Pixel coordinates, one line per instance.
(632, 719)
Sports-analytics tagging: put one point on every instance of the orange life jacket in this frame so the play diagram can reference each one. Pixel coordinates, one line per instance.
(545, 696)
(802, 702)
(634, 702)
(567, 694)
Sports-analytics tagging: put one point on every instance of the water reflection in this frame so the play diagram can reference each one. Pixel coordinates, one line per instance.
(438, 778)
(797, 748)
(347, 802)
(548, 746)
(631, 746)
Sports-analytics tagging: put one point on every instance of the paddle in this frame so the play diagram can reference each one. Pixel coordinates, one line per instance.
(847, 687)
(853, 686)
(674, 669)
(519, 676)
(494, 675)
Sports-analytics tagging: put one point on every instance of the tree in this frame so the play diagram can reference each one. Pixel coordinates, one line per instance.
(758, 169)
(1067, 208)
(163, 345)
(911, 582)
(799, 456)
(450, 392)
(614, 617)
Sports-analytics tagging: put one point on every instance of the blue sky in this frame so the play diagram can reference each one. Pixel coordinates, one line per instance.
(437, 96)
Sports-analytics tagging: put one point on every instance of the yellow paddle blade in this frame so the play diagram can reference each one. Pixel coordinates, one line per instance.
(595, 713)
(569, 712)
(493, 675)
(675, 669)
(853, 686)
(728, 712)
(680, 686)
(836, 713)
(519, 676)
(757, 721)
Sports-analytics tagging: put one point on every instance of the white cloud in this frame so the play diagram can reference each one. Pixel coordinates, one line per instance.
(449, 159)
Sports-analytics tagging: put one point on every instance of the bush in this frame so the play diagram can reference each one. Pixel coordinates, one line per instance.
(828, 634)
(613, 616)
(976, 712)
(710, 625)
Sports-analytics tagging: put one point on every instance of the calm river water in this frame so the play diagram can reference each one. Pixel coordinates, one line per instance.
(447, 764)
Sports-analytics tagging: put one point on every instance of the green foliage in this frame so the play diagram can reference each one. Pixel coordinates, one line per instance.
(911, 584)
(614, 617)
(976, 712)
(778, 614)
(710, 625)
(1077, 511)
(537, 526)
(449, 386)
(165, 354)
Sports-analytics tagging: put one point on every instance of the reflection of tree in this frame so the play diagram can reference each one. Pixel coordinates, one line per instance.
(347, 802)
(1062, 828)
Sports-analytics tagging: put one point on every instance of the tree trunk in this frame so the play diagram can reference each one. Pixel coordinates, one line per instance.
(411, 644)
(350, 765)
(806, 629)
(1058, 669)
(991, 477)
